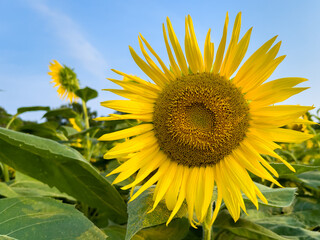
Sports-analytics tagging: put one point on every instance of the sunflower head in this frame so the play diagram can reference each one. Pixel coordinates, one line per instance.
(203, 123)
(65, 79)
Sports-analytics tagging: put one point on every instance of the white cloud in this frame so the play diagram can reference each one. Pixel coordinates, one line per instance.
(77, 44)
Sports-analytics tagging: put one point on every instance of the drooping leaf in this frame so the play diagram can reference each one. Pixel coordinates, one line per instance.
(139, 218)
(283, 170)
(176, 230)
(24, 185)
(62, 112)
(295, 222)
(277, 197)
(242, 228)
(63, 167)
(307, 211)
(6, 191)
(45, 130)
(115, 232)
(86, 94)
(32, 218)
(68, 131)
(31, 109)
(312, 179)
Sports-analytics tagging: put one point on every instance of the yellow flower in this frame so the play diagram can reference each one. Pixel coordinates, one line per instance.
(65, 79)
(201, 127)
(74, 124)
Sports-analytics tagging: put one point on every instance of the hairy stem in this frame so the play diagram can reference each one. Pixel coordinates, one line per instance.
(207, 228)
(87, 126)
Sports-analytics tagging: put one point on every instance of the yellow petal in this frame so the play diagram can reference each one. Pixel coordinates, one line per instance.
(164, 184)
(132, 145)
(152, 164)
(175, 68)
(238, 54)
(208, 190)
(191, 193)
(190, 53)
(208, 53)
(177, 49)
(129, 132)
(232, 45)
(172, 194)
(146, 84)
(168, 73)
(131, 96)
(286, 135)
(137, 160)
(195, 47)
(159, 80)
(263, 149)
(221, 48)
(247, 67)
(152, 65)
(142, 117)
(261, 75)
(247, 159)
(161, 171)
(200, 195)
(138, 88)
(254, 152)
(276, 116)
(182, 193)
(242, 178)
(270, 87)
(129, 106)
(219, 199)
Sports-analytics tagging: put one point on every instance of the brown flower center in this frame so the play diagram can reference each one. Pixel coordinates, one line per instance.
(199, 119)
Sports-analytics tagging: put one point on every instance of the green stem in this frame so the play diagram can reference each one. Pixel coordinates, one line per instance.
(207, 228)
(11, 120)
(87, 126)
(5, 172)
(5, 168)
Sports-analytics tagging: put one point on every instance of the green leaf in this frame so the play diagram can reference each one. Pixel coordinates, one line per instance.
(140, 219)
(277, 197)
(62, 112)
(176, 230)
(294, 222)
(83, 132)
(24, 185)
(86, 93)
(63, 167)
(6, 190)
(293, 232)
(283, 170)
(311, 179)
(242, 228)
(45, 130)
(115, 232)
(307, 211)
(44, 218)
(68, 131)
(31, 109)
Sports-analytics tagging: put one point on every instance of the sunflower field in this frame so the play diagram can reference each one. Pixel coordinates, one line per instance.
(199, 150)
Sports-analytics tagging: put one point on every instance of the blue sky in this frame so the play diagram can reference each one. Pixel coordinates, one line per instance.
(93, 37)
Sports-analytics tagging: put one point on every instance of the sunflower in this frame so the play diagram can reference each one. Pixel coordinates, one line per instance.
(65, 79)
(202, 124)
